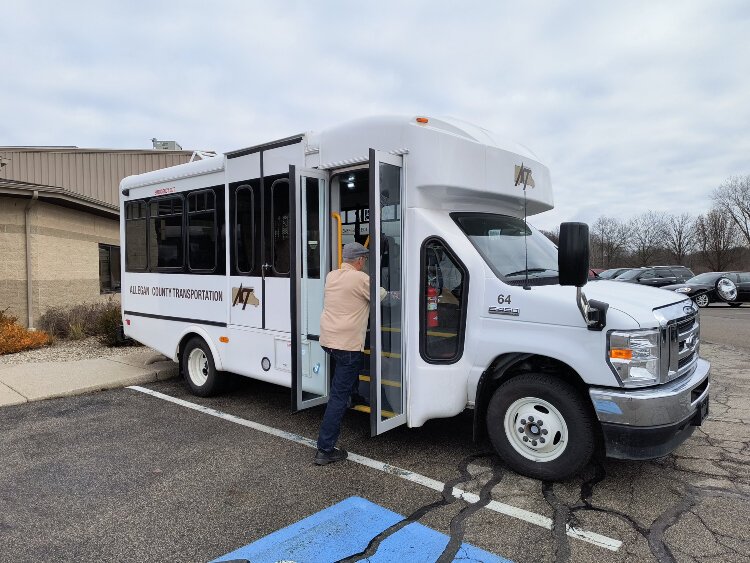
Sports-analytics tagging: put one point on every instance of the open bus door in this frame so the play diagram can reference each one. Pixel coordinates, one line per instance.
(387, 326)
(309, 267)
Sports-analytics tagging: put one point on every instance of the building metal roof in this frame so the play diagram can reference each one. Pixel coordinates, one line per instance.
(78, 177)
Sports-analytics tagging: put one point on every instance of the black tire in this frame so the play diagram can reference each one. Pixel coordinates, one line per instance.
(575, 413)
(734, 304)
(702, 300)
(198, 369)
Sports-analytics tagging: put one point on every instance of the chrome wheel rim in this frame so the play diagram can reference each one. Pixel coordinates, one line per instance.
(702, 300)
(536, 429)
(197, 365)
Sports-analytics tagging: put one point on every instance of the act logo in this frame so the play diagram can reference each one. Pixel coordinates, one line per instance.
(244, 295)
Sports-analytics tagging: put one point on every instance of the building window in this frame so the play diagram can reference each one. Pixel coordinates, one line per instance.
(136, 246)
(201, 231)
(109, 268)
(165, 234)
(443, 302)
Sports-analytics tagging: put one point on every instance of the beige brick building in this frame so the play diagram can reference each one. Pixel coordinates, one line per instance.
(59, 223)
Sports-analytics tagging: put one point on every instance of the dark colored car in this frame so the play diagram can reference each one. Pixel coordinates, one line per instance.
(612, 273)
(703, 288)
(656, 276)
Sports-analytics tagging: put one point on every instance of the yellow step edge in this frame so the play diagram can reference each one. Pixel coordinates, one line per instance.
(382, 381)
(386, 354)
(365, 408)
(429, 332)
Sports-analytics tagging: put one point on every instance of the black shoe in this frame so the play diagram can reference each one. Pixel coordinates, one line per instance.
(324, 458)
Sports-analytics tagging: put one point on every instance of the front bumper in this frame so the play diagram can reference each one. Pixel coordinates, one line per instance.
(652, 422)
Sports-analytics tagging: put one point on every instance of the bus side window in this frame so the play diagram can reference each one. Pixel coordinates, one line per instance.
(165, 233)
(280, 251)
(443, 301)
(244, 229)
(201, 231)
(136, 255)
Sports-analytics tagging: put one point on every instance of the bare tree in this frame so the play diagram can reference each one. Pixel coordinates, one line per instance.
(553, 235)
(609, 239)
(733, 197)
(646, 236)
(717, 237)
(679, 236)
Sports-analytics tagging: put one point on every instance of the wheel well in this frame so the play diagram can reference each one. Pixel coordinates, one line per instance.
(181, 346)
(508, 366)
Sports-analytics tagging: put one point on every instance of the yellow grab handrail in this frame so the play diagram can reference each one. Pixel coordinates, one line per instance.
(337, 216)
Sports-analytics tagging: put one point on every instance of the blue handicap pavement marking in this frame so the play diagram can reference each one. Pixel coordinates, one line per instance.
(346, 529)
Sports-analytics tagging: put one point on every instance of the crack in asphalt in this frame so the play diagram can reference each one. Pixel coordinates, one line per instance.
(458, 522)
(564, 515)
(446, 499)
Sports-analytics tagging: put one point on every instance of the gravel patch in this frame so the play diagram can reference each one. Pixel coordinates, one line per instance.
(67, 351)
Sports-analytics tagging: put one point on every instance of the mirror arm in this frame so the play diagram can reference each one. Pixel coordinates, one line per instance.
(594, 313)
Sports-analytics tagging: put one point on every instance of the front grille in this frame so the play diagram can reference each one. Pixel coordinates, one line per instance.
(680, 339)
(685, 347)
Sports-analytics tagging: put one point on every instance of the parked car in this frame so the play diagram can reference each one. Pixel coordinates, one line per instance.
(656, 276)
(612, 273)
(705, 288)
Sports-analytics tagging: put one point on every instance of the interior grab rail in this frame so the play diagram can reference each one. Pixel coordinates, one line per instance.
(337, 217)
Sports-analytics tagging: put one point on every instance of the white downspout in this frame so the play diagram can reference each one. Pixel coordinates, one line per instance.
(29, 284)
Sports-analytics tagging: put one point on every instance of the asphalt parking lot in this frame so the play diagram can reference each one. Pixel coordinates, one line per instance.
(726, 325)
(129, 476)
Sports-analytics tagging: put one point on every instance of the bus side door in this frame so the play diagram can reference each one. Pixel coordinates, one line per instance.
(309, 214)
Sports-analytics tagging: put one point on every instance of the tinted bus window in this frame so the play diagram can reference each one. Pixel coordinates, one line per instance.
(280, 226)
(165, 233)
(245, 228)
(136, 255)
(445, 282)
(202, 231)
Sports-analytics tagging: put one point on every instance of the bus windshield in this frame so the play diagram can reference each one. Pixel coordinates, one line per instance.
(503, 242)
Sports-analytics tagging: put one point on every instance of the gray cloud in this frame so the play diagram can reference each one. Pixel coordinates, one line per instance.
(633, 106)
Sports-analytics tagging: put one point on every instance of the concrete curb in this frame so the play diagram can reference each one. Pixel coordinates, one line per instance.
(47, 380)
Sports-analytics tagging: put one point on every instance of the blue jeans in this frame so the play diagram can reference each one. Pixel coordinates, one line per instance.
(345, 381)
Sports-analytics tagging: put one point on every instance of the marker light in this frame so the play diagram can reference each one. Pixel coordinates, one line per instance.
(223, 339)
(621, 354)
(422, 120)
(127, 322)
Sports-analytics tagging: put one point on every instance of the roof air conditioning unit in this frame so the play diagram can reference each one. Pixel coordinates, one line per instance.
(166, 145)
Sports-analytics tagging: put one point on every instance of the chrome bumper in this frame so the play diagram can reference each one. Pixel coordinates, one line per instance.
(662, 405)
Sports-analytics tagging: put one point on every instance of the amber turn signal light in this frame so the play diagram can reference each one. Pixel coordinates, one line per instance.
(621, 354)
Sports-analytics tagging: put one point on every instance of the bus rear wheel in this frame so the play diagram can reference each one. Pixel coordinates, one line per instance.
(540, 427)
(198, 368)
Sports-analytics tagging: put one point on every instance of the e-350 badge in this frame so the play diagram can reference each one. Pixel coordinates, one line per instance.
(504, 300)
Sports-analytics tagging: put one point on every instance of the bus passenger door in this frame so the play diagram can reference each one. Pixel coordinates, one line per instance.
(309, 267)
(387, 322)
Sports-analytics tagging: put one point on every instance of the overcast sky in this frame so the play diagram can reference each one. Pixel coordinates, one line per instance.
(634, 106)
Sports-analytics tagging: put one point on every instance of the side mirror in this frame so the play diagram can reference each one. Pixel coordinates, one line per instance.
(573, 254)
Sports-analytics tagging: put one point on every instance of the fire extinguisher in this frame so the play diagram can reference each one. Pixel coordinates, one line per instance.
(432, 306)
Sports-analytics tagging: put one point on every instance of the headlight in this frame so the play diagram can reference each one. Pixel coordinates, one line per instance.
(634, 355)
(683, 290)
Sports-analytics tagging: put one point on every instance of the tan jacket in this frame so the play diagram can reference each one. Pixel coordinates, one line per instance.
(346, 308)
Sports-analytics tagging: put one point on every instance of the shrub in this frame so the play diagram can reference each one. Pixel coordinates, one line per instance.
(108, 325)
(86, 319)
(15, 338)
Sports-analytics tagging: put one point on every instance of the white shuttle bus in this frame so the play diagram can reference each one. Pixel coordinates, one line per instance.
(225, 260)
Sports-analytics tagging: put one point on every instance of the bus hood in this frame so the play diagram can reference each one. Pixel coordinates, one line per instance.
(635, 300)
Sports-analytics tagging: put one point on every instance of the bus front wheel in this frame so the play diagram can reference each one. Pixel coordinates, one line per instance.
(198, 368)
(540, 427)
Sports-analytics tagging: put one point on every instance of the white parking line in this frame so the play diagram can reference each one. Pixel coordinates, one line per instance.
(499, 507)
